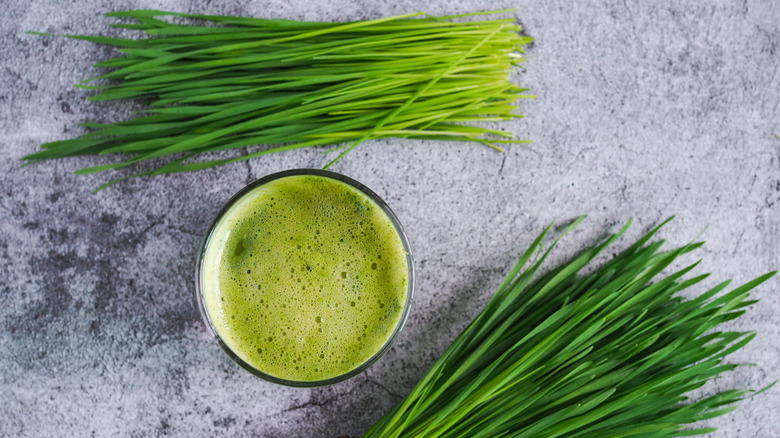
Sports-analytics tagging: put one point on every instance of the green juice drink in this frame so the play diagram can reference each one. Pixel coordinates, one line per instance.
(305, 278)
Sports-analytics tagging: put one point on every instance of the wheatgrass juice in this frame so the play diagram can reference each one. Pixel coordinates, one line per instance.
(305, 277)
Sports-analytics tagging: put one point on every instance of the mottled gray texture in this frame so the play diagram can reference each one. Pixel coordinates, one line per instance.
(644, 109)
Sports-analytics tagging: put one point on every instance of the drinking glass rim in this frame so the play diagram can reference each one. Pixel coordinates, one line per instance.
(260, 182)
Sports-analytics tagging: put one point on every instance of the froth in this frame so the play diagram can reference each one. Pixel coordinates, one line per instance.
(305, 278)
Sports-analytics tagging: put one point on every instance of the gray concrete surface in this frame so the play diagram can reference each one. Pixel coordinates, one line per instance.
(644, 110)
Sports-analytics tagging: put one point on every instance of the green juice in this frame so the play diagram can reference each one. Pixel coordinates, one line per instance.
(305, 278)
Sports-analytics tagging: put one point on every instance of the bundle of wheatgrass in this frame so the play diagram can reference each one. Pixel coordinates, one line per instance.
(605, 354)
(222, 82)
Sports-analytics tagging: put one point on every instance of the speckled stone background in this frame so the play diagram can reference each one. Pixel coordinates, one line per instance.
(644, 110)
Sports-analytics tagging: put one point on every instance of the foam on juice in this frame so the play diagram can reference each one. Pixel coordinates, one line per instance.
(305, 278)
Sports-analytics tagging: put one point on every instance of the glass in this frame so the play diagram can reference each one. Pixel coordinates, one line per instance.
(264, 180)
